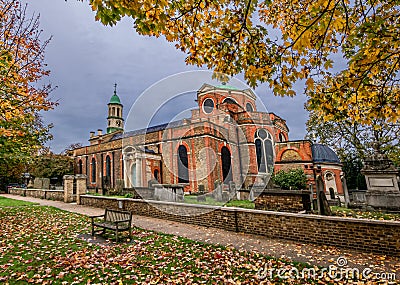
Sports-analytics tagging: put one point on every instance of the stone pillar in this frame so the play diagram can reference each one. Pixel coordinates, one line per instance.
(382, 187)
(68, 188)
(80, 187)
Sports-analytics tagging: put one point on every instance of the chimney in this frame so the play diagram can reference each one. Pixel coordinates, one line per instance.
(99, 132)
(91, 134)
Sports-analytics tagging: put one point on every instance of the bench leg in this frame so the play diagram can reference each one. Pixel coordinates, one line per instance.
(116, 235)
(92, 230)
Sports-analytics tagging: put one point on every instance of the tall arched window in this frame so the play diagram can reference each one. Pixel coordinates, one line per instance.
(108, 171)
(80, 168)
(108, 166)
(133, 175)
(156, 175)
(264, 151)
(93, 170)
(183, 171)
(226, 165)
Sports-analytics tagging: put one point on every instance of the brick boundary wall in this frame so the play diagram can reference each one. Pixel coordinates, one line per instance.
(55, 195)
(382, 237)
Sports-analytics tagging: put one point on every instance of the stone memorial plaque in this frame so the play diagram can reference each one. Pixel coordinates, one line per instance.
(381, 182)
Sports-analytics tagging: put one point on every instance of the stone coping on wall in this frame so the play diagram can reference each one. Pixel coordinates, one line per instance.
(275, 213)
(37, 189)
(47, 190)
(281, 191)
(157, 202)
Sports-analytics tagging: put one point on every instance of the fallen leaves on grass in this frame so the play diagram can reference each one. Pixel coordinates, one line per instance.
(39, 245)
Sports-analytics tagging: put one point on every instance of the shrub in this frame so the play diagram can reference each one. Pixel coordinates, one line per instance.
(294, 179)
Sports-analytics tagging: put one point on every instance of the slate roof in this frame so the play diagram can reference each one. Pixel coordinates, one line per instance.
(323, 153)
(151, 129)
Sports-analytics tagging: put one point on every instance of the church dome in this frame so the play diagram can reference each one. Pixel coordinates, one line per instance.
(115, 99)
(323, 153)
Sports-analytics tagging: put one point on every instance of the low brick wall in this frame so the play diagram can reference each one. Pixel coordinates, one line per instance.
(56, 195)
(381, 237)
(293, 201)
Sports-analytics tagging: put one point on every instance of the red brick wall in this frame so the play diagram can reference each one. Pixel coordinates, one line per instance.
(382, 237)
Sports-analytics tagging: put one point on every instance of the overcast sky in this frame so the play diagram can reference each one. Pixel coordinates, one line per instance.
(86, 59)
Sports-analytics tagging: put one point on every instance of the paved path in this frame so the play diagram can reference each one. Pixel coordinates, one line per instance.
(313, 254)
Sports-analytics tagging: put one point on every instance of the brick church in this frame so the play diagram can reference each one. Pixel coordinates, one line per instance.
(225, 139)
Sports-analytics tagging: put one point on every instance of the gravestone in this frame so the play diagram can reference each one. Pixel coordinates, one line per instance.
(201, 191)
(169, 192)
(232, 189)
(119, 185)
(382, 186)
(346, 192)
(217, 191)
(225, 196)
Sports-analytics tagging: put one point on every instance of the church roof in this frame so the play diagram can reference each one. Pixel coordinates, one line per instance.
(323, 153)
(228, 87)
(151, 129)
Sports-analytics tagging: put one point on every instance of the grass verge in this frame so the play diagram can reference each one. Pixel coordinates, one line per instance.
(7, 202)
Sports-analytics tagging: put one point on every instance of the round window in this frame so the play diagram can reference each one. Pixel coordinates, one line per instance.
(262, 133)
(208, 105)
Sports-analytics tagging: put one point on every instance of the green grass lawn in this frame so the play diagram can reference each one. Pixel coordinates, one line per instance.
(352, 213)
(40, 245)
(7, 202)
(192, 199)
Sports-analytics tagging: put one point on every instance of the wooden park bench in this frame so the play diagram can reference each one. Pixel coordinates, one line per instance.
(115, 220)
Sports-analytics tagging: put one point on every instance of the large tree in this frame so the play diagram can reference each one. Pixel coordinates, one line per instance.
(347, 137)
(353, 142)
(283, 41)
(50, 165)
(21, 96)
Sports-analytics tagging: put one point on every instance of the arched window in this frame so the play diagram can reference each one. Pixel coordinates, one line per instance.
(93, 170)
(229, 101)
(117, 112)
(226, 165)
(108, 167)
(113, 111)
(249, 107)
(183, 171)
(156, 175)
(281, 137)
(80, 168)
(133, 175)
(264, 151)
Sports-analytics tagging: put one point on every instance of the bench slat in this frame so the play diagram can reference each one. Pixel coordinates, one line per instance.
(115, 220)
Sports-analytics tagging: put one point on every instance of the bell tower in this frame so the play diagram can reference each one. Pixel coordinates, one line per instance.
(115, 120)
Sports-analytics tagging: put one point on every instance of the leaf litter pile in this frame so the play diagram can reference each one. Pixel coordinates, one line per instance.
(40, 245)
